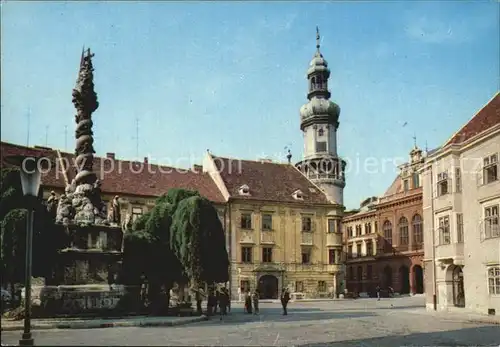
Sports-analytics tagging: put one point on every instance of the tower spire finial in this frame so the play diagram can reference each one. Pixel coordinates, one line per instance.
(414, 140)
(317, 38)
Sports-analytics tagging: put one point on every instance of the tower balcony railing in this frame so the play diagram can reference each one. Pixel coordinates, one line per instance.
(325, 176)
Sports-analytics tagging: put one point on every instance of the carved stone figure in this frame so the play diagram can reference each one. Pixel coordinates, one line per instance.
(115, 210)
(52, 203)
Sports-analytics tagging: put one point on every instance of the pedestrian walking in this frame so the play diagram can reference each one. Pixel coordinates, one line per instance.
(223, 300)
(378, 292)
(255, 301)
(285, 298)
(248, 302)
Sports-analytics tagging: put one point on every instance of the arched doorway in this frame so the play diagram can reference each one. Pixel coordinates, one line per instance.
(458, 287)
(268, 287)
(404, 279)
(418, 279)
(387, 277)
(359, 278)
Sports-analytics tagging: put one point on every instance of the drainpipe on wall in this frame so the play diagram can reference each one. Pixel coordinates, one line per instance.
(434, 282)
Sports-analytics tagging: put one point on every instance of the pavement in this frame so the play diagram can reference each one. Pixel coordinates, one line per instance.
(138, 321)
(391, 322)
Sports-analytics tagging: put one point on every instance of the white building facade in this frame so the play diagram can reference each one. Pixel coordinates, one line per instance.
(461, 203)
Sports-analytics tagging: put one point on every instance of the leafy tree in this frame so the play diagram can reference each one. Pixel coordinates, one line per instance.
(197, 239)
(181, 238)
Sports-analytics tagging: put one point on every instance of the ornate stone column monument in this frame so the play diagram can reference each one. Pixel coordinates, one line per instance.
(90, 260)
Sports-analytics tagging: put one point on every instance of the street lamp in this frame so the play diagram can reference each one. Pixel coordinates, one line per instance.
(31, 174)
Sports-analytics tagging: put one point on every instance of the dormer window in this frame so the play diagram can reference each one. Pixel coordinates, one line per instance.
(298, 195)
(244, 190)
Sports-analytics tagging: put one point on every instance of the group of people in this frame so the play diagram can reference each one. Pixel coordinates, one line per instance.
(215, 298)
(252, 301)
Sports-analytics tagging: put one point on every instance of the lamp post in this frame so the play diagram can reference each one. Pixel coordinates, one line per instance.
(31, 173)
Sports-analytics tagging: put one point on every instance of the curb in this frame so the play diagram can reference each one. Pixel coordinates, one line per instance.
(116, 324)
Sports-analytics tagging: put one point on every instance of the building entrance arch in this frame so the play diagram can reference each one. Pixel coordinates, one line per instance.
(404, 279)
(418, 279)
(268, 287)
(458, 285)
(387, 277)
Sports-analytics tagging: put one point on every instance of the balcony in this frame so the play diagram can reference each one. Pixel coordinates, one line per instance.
(333, 239)
(267, 238)
(451, 251)
(307, 239)
(247, 237)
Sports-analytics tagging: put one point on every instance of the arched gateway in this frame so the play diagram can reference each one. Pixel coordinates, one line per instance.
(268, 287)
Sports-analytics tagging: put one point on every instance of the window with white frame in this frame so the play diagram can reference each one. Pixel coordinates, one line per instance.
(494, 280)
(267, 221)
(444, 230)
(136, 213)
(460, 228)
(442, 183)
(306, 224)
(491, 222)
(490, 168)
(458, 180)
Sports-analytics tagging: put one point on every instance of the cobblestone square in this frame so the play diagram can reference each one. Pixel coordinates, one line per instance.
(364, 322)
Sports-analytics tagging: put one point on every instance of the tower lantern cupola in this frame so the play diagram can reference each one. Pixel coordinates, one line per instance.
(319, 123)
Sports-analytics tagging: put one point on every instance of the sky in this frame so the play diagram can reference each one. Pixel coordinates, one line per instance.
(231, 77)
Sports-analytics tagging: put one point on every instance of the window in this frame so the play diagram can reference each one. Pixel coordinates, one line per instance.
(321, 132)
(349, 231)
(245, 286)
(267, 255)
(349, 251)
(387, 235)
(244, 190)
(369, 272)
(322, 286)
(331, 256)
(376, 226)
(444, 230)
(136, 213)
(494, 280)
(246, 254)
(246, 221)
(306, 224)
(321, 146)
(403, 231)
(490, 169)
(442, 183)
(458, 180)
(331, 225)
(491, 222)
(416, 180)
(460, 228)
(368, 228)
(369, 248)
(406, 185)
(267, 221)
(358, 250)
(299, 286)
(418, 235)
(306, 256)
(358, 230)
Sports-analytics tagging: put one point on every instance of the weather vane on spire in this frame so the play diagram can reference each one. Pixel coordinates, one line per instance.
(317, 38)
(415, 140)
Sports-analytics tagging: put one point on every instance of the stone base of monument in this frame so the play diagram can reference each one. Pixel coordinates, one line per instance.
(76, 300)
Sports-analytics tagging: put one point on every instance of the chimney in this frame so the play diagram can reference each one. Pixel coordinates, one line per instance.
(110, 155)
(197, 168)
(145, 160)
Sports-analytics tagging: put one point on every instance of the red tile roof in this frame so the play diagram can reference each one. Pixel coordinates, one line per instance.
(267, 181)
(486, 118)
(123, 177)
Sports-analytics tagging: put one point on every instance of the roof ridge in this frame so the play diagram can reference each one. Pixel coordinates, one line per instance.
(474, 116)
(251, 161)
